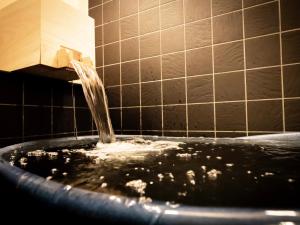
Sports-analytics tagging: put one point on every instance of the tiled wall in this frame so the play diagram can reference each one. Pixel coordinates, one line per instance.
(34, 108)
(200, 67)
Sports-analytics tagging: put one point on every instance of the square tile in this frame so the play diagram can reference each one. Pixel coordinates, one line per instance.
(63, 120)
(264, 83)
(11, 121)
(151, 93)
(291, 47)
(173, 65)
(113, 96)
(151, 69)
(149, 20)
(111, 11)
(229, 57)
(174, 117)
(171, 14)
(230, 116)
(130, 72)
(201, 117)
(111, 32)
(150, 45)
(198, 34)
(129, 27)
(83, 120)
(228, 27)
(111, 54)
(200, 89)
(62, 94)
(265, 116)
(11, 90)
(112, 75)
(199, 61)
(99, 56)
(230, 86)
(130, 49)
(291, 78)
(174, 97)
(263, 51)
(147, 4)
(128, 7)
(292, 115)
(115, 116)
(290, 16)
(131, 95)
(196, 9)
(151, 118)
(225, 6)
(98, 36)
(261, 20)
(131, 118)
(172, 40)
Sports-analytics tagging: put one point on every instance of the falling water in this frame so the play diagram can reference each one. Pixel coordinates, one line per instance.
(97, 101)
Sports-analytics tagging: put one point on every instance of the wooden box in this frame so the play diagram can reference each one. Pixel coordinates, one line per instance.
(44, 32)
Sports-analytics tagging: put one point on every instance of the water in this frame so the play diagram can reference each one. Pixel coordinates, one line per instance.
(194, 173)
(95, 96)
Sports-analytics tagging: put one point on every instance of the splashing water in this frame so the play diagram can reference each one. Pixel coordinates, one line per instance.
(97, 101)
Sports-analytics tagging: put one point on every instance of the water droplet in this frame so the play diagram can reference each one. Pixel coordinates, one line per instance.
(104, 185)
(219, 157)
(229, 164)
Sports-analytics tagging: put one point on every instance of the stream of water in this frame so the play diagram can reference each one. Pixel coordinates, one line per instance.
(95, 96)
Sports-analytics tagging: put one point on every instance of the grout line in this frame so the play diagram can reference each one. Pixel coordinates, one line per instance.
(281, 67)
(139, 60)
(161, 71)
(185, 72)
(120, 58)
(102, 37)
(245, 69)
(51, 111)
(23, 112)
(213, 67)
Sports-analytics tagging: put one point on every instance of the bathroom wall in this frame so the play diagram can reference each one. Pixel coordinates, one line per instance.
(200, 67)
(34, 108)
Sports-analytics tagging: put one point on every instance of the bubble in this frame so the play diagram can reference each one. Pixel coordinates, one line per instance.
(208, 156)
(213, 174)
(160, 176)
(290, 180)
(101, 178)
(219, 157)
(159, 163)
(54, 171)
(52, 155)
(103, 185)
(64, 174)
(269, 174)
(203, 168)
(127, 175)
(229, 164)
(249, 171)
(137, 185)
(23, 161)
(151, 182)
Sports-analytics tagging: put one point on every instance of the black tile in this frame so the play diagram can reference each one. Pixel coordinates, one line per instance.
(174, 97)
(62, 94)
(11, 121)
(290, 16)
(129, 27)
(11, 89)
(198, 34)
(150, 45)
(263, 51)
(196, 9)
(171, 133)
(93, 3)
(261, 20)
(201, 117)
(99, 56)
(96, 13)
(265, 116)
(291, 78)
(151, 133)
(229, 57)
(225, 6)
(131, 118)
(98, 36)
(111, 53)
(209, 134)
(200, 89)
(131, 95)
(151, 118)
(79, 96)
(63, 120)
(230, 134)
(174, 117)
(113, 96)
(230, 117)
(230, 86)
(291, 47)
(111, 32)
(111, 11)
(150, 69)
(151, 93)
(130, 49)
(83, 120)
(130, 72)
(37, 91)
(171, 14)
(149, 20)
(147, 4)
(100, 72)
(264, 83)
(199, 61)
(115, 116)
(248, 3)
(172, 40)
(292, 115)
(37, 120)
(173, 65)
(228, 27)
(128, 7)
(112, 75)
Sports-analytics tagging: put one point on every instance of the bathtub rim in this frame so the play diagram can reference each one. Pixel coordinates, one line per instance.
(116, 208)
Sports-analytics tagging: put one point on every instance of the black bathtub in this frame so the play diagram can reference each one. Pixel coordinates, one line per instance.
(108, 209)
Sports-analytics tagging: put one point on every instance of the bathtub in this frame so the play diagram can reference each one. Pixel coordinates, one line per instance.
(107, 209)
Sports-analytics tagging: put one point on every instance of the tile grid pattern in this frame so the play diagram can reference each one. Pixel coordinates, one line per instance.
(215, 102)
